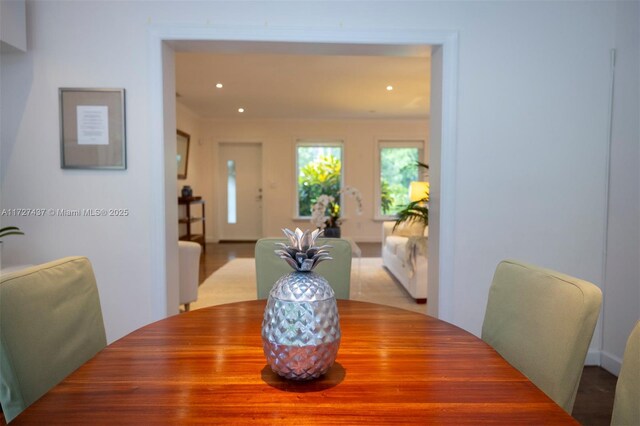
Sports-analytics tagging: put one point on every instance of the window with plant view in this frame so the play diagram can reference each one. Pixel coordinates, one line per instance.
(397, 170)
(319, 171)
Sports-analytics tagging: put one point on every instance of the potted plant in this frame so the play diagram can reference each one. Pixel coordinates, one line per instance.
(415, 211)
(10, 230)
(325, 213)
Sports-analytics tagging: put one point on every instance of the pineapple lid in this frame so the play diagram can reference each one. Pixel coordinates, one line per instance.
(302, 255)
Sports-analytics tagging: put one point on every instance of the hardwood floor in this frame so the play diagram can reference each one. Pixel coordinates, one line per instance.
(594, 401)
(217, 255)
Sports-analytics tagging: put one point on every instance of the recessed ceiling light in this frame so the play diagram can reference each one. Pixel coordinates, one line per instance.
(219, 85)
(389, 88)
(240, 109)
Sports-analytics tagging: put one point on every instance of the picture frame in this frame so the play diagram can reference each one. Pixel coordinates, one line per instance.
(182, 148)
(92, 129)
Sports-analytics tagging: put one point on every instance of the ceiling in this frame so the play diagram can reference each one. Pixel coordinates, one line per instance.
(302, 80)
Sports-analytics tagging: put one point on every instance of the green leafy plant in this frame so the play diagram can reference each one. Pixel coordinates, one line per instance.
(397, 170)
(415, 211)
(422, 165)
(318, 177)
(386, 197)
(10, 230)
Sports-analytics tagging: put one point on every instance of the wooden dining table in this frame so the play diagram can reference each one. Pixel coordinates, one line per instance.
(207, 366)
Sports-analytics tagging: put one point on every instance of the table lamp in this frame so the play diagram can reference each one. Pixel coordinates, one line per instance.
(418, 191)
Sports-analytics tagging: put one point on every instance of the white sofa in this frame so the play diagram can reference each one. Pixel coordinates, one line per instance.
(404, 254)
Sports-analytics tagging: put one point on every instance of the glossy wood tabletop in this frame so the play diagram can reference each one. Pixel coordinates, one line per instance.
(207, 366)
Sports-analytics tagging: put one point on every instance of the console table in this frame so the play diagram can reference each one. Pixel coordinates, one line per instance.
(189, 219)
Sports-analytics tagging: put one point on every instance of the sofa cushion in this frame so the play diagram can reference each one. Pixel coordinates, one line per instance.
(392, 243)
(409, 229)
(402, 254)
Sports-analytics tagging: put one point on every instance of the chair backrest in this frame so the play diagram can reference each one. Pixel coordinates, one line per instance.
(189, 268)
(269, 267)
(541, 322)
(50, 324)
(626, 407)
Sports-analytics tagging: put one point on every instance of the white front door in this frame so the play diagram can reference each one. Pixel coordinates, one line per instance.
(240, 186)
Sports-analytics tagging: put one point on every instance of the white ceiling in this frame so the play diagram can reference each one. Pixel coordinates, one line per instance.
(300, 80)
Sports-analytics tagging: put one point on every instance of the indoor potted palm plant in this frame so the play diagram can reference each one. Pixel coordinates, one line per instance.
(10, 230)
(415, 211)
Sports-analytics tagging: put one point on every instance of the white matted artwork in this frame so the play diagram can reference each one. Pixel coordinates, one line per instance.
(92, 129)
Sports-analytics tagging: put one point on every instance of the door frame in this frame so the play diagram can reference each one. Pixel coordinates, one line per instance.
(219, 212)
(161, 106)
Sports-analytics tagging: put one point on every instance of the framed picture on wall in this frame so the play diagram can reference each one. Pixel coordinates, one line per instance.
(182, 145)
(92, 129)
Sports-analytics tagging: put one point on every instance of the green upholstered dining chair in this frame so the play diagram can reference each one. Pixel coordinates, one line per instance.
(50, 324)
(542, 322)
(269, 267)
(626, 406)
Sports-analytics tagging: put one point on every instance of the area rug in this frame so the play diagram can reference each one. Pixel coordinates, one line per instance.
(370, 282)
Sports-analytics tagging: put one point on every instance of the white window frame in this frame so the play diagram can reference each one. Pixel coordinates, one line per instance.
(392, 143)
(332, 143)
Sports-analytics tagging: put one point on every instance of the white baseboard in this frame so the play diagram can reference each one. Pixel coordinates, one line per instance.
(611, 363)
(593, 357)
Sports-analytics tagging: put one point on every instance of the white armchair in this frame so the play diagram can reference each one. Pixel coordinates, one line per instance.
(189, 267)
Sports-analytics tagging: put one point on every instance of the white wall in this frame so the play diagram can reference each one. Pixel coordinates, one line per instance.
(531, 133)
(278, 138)
(13, 29)
(68, 50)
(622, 283)
(531, 144)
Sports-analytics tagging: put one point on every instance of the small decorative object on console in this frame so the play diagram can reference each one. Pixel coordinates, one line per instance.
(301, 326)
(187, 191)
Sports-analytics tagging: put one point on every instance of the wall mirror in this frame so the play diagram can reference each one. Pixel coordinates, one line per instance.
(183, 153)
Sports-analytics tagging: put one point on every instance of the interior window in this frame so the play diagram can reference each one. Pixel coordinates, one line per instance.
(318, 171)
(397, 168)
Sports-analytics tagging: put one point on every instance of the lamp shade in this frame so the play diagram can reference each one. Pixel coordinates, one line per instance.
(418, 191)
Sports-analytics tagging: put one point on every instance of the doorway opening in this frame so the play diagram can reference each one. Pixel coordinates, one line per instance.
(441, 139)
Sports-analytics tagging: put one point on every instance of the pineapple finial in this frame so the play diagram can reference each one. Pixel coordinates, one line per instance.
(302, 254)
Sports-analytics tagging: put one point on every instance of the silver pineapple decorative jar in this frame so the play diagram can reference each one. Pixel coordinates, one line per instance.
(301, 326)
